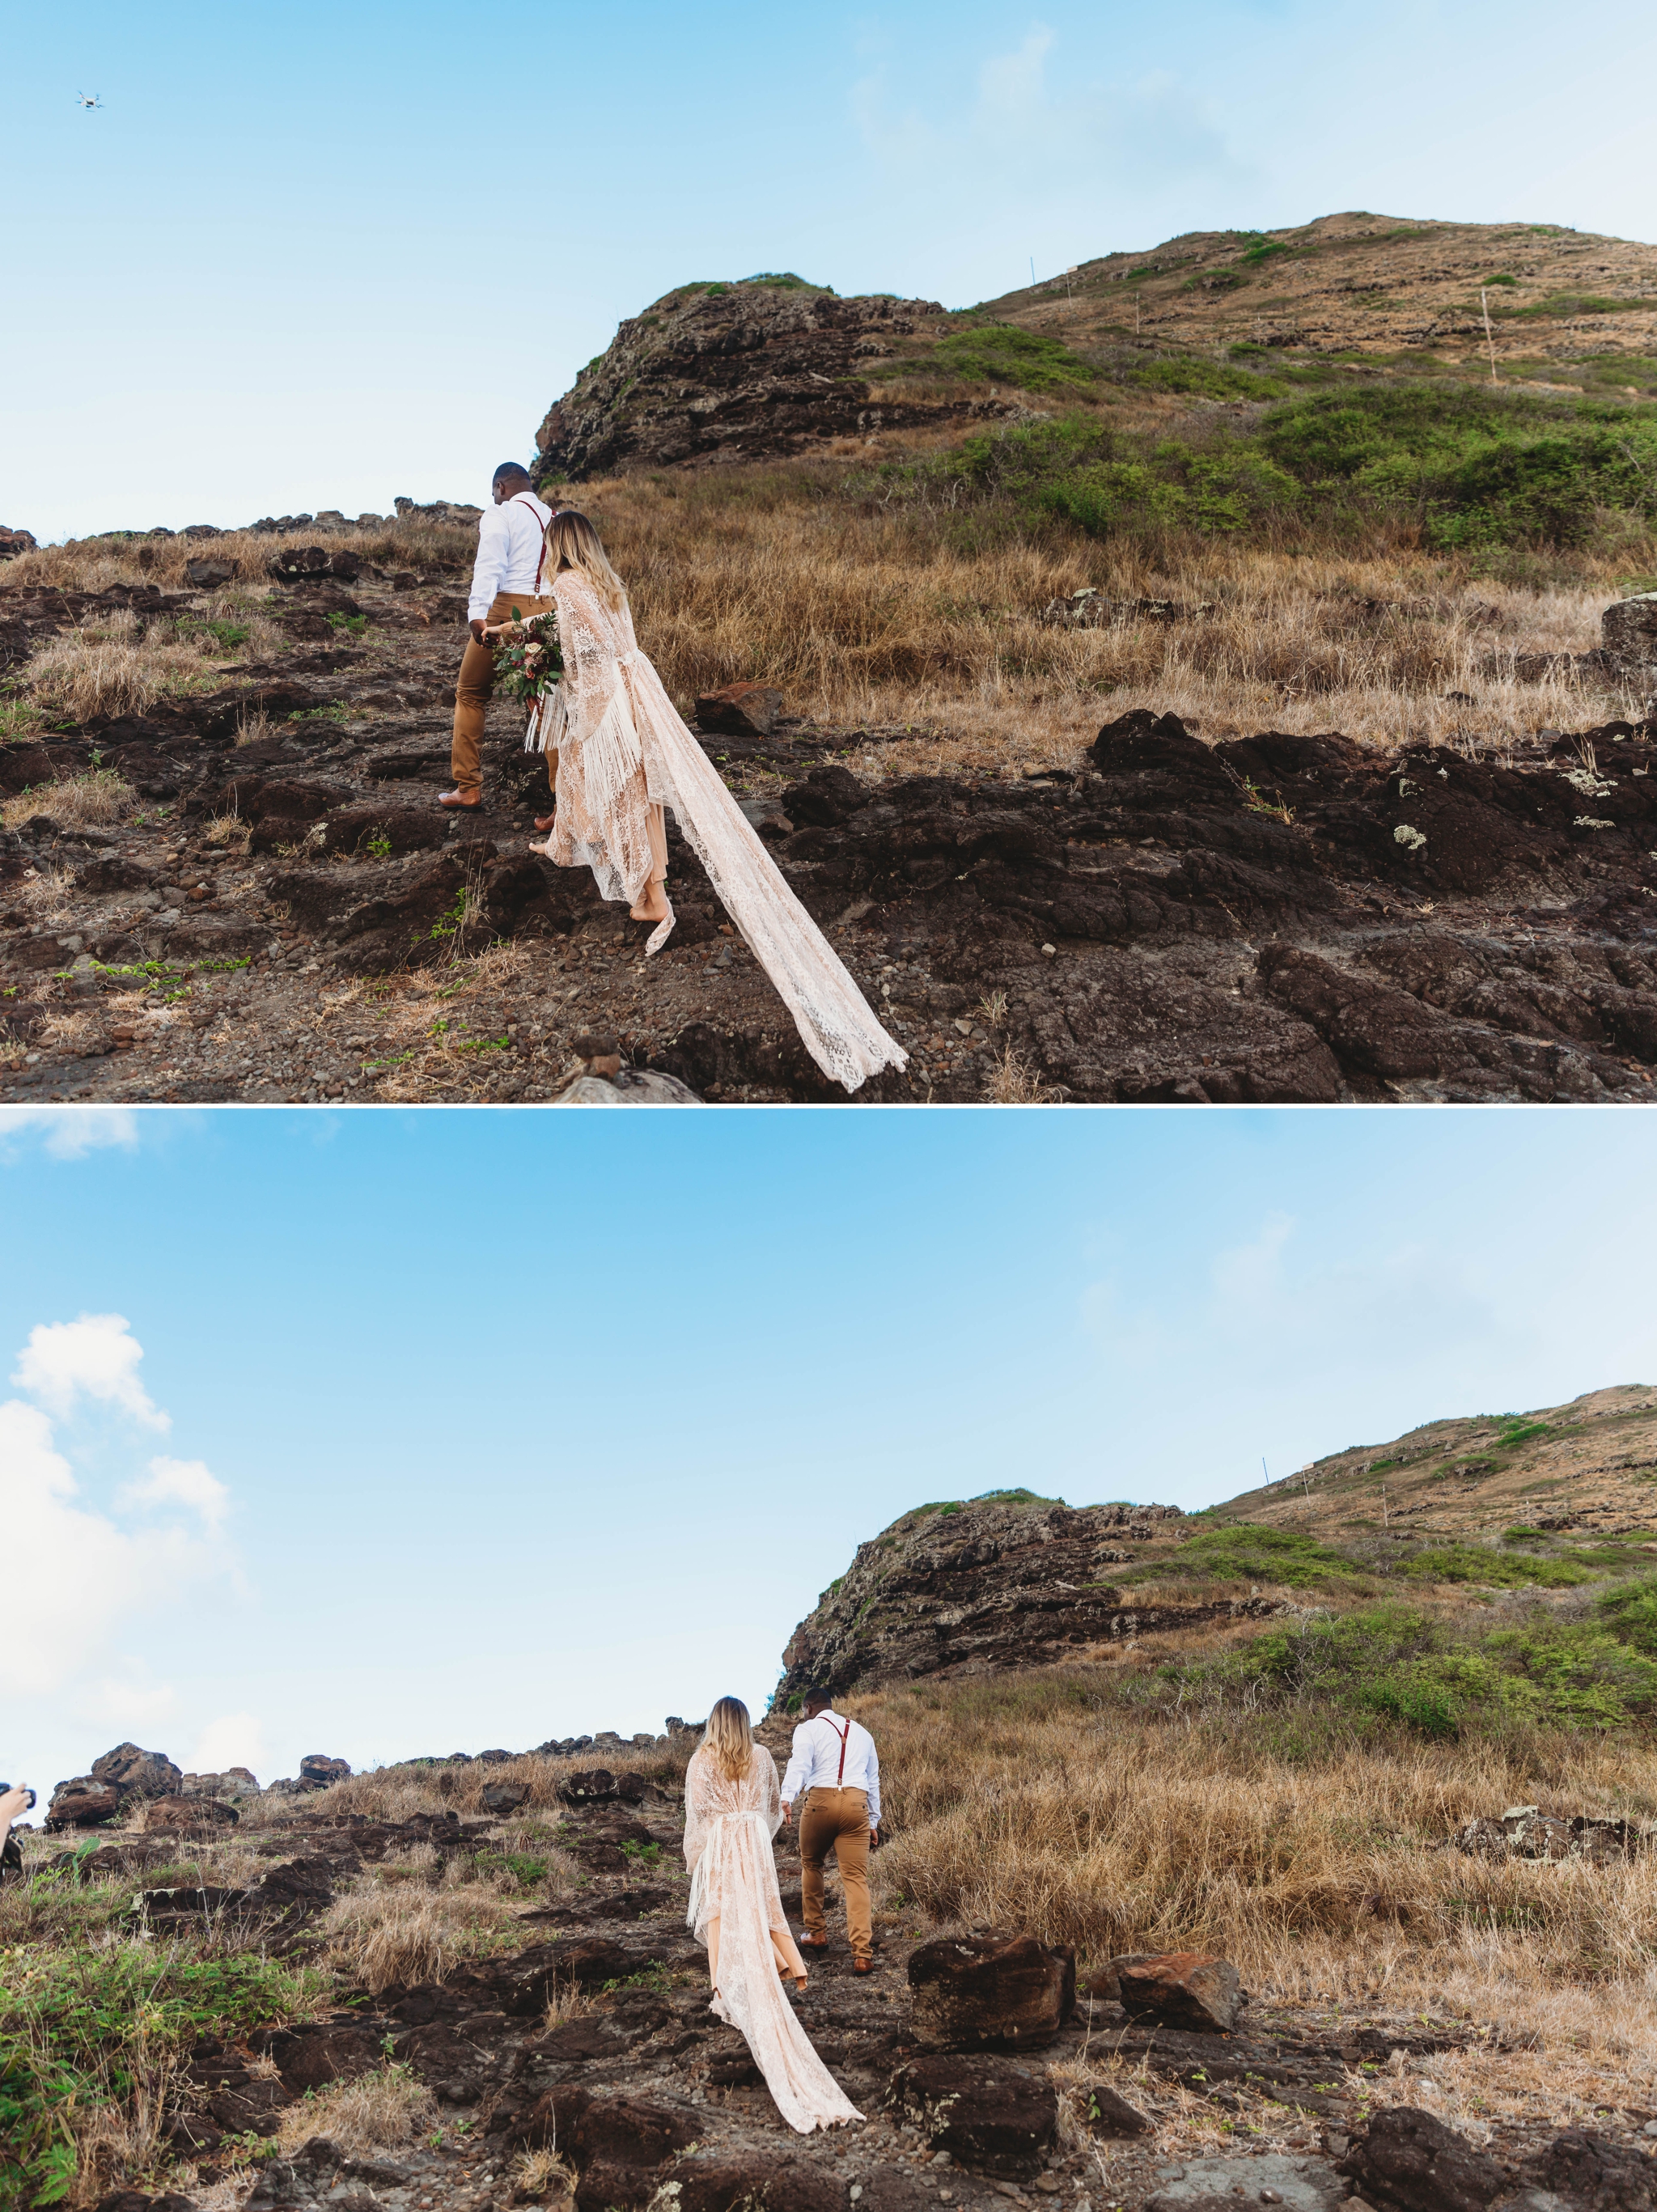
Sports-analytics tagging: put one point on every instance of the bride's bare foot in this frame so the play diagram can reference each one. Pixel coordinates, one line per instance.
(651, 903)
(544, 822)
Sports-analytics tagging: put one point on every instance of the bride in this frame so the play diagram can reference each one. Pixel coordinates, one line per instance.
(732, 1809)
(622, 754)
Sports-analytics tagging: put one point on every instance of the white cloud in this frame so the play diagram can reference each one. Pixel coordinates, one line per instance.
(232, 1740)
(73, 1571)
(182, 1482)
(69, 1133)
(97, 1356)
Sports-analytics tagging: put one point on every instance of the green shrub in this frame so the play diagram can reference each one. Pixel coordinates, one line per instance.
(1482, 467)
(1207, 378)
(81, 2028)
(1631, 1611)
(1476, 1563)
(1004, 353)
(1393, 1663)
(1246, 1552)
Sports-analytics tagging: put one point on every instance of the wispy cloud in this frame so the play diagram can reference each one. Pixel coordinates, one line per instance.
(68, 1132)
(95, 1357)
(75, 1572)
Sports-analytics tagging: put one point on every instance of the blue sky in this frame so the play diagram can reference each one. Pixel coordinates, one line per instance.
(317, 255)
(388, 1433)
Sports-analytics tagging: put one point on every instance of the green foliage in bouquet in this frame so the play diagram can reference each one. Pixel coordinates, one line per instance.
(528, 666)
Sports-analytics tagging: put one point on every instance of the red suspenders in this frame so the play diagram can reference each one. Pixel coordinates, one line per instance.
(518, 499)
(840, 1778)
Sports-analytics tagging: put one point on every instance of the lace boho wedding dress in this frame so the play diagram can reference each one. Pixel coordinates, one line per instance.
(621, 749)
(737, 1912)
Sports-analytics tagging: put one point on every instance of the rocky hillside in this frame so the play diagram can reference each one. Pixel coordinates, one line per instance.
(737, 372)
(467, 1984)
(1585, 1468)
(964, 1587)
(1272, 919)
(717, 372)
(1377, 287)
(1555, 1498)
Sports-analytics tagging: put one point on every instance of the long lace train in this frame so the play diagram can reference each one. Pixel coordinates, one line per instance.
(734, 1883)
(623, 747)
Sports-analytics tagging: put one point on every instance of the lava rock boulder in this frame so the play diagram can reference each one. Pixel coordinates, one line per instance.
(992, 2116)
(991, 1992)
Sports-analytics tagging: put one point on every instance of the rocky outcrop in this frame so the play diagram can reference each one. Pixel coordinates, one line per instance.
(986, 2114)
(1629, 629)
(121, 1777)
(734, 372)
(1406, 2161)
(991, 1992)
(1010, 1580)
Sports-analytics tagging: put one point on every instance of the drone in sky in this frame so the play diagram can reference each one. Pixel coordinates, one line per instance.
(84, 100)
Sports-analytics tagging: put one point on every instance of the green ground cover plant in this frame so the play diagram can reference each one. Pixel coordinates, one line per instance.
(85, 2028)
(1246, 1552)
(1476, 471)
(1394, 1664)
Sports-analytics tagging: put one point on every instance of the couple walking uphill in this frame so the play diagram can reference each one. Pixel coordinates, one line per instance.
(618, 754)
(733, 1807)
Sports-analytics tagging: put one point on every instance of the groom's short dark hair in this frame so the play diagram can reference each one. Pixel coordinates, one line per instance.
(510, 469)
(818, 1697)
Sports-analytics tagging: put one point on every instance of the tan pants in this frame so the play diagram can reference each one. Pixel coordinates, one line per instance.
(471, 694)
(837, 1820)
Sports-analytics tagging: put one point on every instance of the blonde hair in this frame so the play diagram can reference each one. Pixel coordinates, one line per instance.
(574, 544)
(729, 1738)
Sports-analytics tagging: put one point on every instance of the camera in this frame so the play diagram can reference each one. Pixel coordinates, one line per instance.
(29, 1794)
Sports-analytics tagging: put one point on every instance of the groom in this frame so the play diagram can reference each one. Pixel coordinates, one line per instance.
(509, 572)
(834, 1761)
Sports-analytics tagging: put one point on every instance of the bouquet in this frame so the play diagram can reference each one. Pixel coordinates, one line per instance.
(528, 666)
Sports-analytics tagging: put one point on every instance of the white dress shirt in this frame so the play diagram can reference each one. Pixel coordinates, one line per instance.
(814, 1761)
(510, 545)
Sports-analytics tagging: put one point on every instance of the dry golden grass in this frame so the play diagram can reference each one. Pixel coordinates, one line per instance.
(542, 2174)
(92, 798)
(382, 1933)
(94, 564)
(886, 615)
(374, 2112)
(1013, 1082)
(113, 669)
(1053, 1809)
(396, 1793)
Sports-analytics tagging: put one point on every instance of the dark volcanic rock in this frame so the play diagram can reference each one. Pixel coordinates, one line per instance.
(992, 2116)
(723, 372)
(1595, 2173)
(991, 1992)
(137, 1773)
(190, 1815)
(705, 2182)
(1105, 2111)
(1629, 630)
(316, 1770)
(979, 1586)
(1405, 2160)
(745, 709)
(617, 2145)
(83, 1803)
(1181, 1989)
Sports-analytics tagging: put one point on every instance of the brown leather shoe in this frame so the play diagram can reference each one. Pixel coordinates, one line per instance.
(455, 799)
(814, 1942)
(863, 1966)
